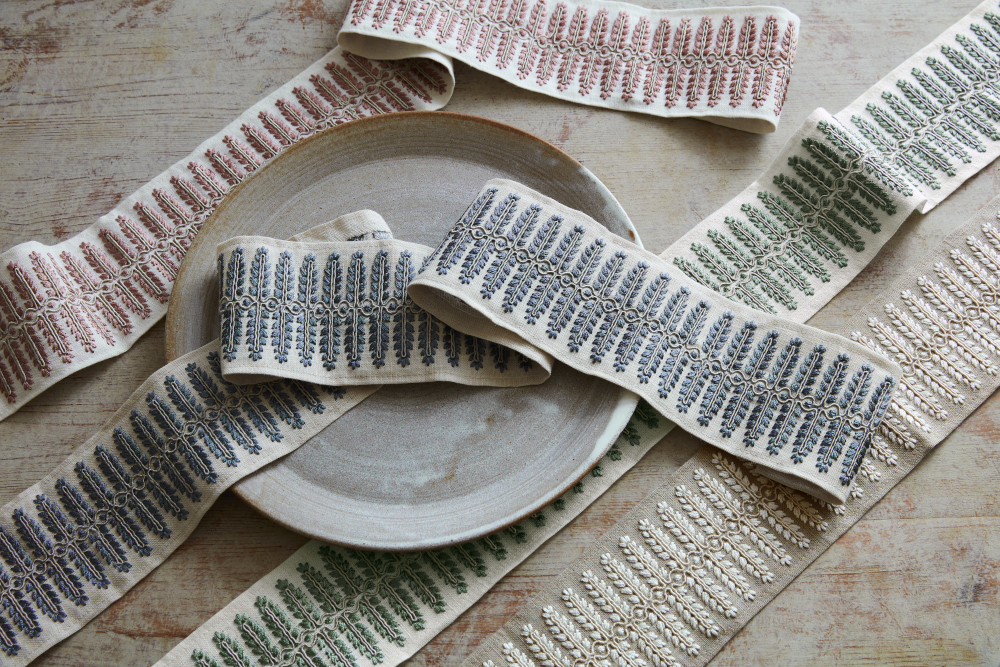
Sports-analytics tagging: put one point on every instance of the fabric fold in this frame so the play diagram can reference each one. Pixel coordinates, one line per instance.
(729, 65)
(338, 312)
(799, 402)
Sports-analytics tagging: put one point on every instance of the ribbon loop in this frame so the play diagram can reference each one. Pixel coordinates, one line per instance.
(799, 402)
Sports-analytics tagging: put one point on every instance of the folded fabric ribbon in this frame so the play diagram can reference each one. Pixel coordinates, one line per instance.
(338, 295)
(727, 65)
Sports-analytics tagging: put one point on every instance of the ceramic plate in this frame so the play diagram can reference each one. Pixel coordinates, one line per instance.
(425, 465)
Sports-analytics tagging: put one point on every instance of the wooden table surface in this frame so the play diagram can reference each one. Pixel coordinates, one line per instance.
(98, 97)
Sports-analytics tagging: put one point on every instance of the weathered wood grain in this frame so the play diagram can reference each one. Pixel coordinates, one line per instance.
(97, 97)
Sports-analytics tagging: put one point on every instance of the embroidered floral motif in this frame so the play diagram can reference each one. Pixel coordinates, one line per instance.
(739, 378)
(574, 47)
(945, 335)
(800, 232)
(89, 295)
(947, 113)
(123, 493)
(352, 310)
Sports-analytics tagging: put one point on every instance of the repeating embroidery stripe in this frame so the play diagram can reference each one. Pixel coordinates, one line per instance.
(339, 313)
(730, 66)
(133, 492)
(802, 403)
(70, 305)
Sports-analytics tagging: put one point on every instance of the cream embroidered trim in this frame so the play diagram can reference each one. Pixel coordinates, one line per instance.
(729, 66)
(67, 306)
(523, 268)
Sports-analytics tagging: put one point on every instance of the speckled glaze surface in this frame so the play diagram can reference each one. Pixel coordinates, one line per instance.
(426, 465)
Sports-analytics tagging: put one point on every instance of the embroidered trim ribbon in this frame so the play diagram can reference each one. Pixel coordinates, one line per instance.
(546, 280)
(729, 66)
(343, 306)
(70, 305)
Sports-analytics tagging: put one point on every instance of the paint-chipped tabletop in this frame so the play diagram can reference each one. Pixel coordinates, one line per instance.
(98, 97)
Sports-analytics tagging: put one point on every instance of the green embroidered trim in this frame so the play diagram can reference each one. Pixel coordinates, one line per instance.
(800, 231)
(946, 112)
(347, 605)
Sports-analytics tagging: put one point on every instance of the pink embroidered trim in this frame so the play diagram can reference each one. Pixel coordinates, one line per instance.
(624, 55)
(60, 305)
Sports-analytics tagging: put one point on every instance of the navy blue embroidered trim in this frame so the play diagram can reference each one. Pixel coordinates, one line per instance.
(766, 388)
(344, 311)
(120, 497)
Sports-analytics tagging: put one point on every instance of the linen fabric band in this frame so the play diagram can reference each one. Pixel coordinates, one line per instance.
(801, 403)
(338, 313)
(550, 282)
(937, 126)
(728, 65)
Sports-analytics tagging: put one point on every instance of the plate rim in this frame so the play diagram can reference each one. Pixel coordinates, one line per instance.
(618, 419)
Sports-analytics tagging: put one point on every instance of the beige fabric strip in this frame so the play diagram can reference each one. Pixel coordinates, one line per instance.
(726, 65)
(338, 313)
(799, 402)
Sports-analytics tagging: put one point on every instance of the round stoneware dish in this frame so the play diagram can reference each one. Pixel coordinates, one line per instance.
(425, 465)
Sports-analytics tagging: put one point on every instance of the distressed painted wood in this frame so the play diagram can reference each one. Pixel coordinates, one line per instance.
(97, 97)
